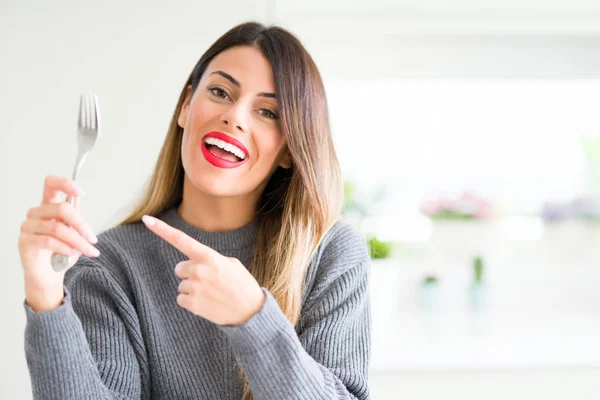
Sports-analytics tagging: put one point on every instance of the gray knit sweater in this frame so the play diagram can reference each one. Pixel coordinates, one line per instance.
(120, 334)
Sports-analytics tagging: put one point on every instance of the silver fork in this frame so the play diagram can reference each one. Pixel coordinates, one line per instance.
(88, 130)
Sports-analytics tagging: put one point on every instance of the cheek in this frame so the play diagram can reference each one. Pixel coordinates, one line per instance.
(269, 154)
(270, 144)
(202, 111)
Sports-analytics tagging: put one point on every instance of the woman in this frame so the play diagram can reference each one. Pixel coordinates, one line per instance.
(241, 281)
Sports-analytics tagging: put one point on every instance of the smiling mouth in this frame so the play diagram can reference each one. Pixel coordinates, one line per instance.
(222, 153)
(221, 158)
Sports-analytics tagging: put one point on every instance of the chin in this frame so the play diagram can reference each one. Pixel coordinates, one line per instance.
(218, 182)
(214, 185)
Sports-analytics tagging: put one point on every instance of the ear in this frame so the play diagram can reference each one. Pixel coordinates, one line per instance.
(286, 160)
(182, 117)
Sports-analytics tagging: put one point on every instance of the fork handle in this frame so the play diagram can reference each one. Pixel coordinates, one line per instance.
(61, 261)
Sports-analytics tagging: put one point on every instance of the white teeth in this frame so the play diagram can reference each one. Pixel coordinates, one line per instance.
(226, 146)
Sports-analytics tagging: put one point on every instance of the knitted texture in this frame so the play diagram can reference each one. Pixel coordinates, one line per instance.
(119, 333)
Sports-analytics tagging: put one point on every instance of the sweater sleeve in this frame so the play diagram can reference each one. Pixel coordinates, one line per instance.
(328, 359)
(88, 347)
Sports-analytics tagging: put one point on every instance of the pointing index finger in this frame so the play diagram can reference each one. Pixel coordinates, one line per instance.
(178, 239)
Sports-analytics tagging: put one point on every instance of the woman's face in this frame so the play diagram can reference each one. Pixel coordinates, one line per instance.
(234, 106)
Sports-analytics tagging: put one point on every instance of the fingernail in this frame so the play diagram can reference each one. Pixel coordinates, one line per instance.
(148, 220)
(177, 267)
(92, 238)
(95, 252)
(79, 191)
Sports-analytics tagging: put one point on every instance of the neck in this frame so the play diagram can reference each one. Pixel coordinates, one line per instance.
(216, 213)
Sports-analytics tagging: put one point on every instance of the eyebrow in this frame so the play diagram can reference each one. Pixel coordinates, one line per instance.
(235, 82)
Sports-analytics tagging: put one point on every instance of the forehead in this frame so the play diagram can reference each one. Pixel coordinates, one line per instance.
(247, 65)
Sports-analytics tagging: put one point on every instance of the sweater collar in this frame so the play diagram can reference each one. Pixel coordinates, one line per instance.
(238, 238)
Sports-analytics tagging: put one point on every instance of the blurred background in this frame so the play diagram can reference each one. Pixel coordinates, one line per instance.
(469, 138)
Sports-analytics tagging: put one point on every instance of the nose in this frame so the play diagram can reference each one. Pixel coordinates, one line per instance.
(235, 117)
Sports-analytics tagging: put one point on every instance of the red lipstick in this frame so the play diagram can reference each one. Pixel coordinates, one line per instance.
(218, 161)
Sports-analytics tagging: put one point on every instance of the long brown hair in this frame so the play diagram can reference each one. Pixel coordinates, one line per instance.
(299, 204)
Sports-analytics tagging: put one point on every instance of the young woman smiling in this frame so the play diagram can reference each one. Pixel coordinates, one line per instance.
(234, 277)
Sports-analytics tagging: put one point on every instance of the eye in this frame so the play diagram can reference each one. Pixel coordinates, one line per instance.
(218, 92)
(268, 113)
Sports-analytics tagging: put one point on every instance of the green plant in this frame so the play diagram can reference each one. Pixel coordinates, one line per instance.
(478, 269)
(359, 209)
(378, 249)
(445, 215)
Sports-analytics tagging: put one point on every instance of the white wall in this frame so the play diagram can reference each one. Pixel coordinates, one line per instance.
(137, 55)
(136, 58)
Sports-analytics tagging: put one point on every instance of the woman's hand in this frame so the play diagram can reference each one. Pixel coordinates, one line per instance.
(52, 227)
(217, 288)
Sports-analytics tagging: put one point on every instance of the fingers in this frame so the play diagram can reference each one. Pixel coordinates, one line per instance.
(184, 301)
(187, 269)
(55, 185)
(59, 226)
(185, 286)
(187, 245)
(191, 269)
(66, 214)
(59, 234)
(46, 242)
